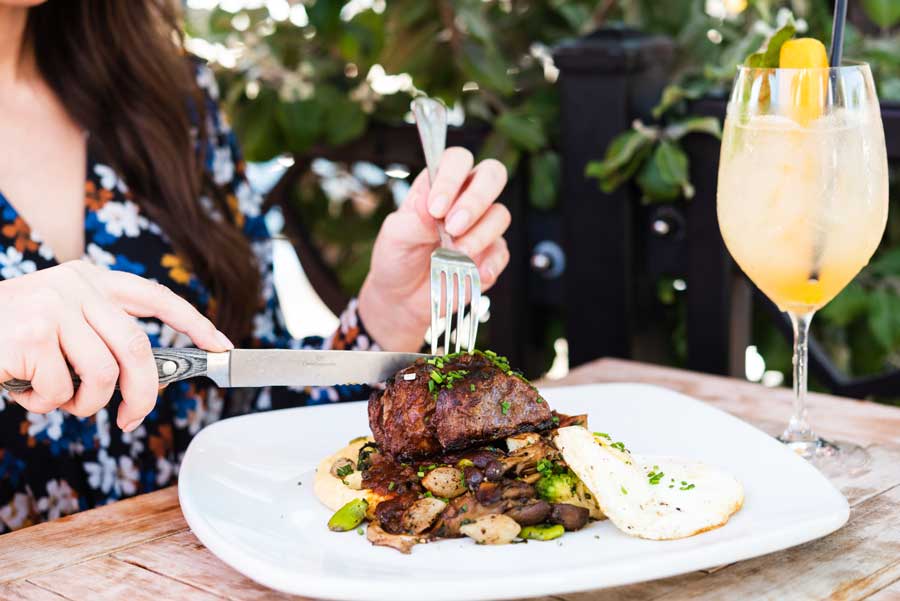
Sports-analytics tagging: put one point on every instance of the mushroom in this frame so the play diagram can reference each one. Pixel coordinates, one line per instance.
(445, 482)
(401, 542)
(492, 530)
(419, 516)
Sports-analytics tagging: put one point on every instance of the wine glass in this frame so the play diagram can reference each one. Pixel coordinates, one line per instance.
(802, 203)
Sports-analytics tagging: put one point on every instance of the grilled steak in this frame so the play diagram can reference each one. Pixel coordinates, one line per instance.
(453, 403)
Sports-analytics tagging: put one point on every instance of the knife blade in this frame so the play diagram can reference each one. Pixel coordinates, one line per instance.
(253, 368)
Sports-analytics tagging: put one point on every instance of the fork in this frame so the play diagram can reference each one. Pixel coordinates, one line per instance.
(446, 262)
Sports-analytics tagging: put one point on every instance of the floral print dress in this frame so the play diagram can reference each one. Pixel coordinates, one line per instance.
(56, 464)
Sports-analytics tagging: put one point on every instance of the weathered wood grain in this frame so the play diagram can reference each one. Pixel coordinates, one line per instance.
(184, 558)
(891, 593)
(89, 534)
(25, 591)
(108, 579)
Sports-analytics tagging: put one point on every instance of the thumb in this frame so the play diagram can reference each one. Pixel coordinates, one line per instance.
(404, 229)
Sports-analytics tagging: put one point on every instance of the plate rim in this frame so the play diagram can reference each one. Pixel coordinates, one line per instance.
(576, 579)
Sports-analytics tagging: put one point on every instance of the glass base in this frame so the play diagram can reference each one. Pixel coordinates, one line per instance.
(831, 458)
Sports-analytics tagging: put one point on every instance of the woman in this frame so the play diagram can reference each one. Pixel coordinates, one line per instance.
(161, 244)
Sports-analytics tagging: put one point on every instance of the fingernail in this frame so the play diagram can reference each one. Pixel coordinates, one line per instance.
(439, 205)
(489, 273)
(457, 222)
(130, 427)
(224, 341)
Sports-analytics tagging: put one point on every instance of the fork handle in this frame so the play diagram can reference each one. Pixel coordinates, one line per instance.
(431, 121)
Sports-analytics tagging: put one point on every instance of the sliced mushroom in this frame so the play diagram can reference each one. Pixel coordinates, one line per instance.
(419, 516)
(445, 482)
(517, 441)
(402, 542)
(529, 513)
(492, 530)
(571, 517)
(340, 464)
(526, 458)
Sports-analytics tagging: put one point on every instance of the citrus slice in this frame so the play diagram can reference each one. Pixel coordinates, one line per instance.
(807, 88)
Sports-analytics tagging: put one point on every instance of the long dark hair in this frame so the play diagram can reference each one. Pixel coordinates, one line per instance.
(120, 69)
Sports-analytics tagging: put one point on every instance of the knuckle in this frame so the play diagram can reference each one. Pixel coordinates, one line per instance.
(34, 331)
(44, 300)
(105, 375)
(138, 345)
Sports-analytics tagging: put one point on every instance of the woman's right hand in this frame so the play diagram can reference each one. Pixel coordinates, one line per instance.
(84, 315)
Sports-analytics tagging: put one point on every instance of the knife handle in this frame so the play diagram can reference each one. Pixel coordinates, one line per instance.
(172, 365)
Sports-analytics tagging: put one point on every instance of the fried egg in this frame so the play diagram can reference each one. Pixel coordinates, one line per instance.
(657, 498)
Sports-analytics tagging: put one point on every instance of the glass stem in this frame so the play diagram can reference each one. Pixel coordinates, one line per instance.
(798, 429)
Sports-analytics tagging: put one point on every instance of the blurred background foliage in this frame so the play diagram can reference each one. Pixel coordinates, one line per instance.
(299, 76)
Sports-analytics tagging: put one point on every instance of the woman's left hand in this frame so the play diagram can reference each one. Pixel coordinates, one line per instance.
(394, 301)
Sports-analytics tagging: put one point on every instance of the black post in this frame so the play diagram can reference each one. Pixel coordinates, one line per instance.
(607, 79)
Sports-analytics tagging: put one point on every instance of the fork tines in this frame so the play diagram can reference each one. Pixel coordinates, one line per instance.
(446, 267)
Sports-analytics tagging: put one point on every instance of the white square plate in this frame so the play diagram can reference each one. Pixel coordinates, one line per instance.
(246, 491)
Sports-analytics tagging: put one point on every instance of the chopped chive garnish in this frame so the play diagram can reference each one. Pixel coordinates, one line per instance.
(504, 407)
(624, 492)
(392, 486)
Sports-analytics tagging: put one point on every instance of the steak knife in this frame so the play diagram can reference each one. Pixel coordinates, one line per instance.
(252, 368)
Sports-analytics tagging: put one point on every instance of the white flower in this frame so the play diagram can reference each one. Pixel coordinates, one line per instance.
(49, 422)
(15, 513)
(215, 404)
(164, 471)
(13, 264)
(127, 476)
(135, 440)
(98, 256)
(264, 399)
(109, 179)
(263, 326)
(206, 80)
(223, 165)
(60, 500)
(122, 218)
(101, 420)
(101, 473)
(249, 202)
(44, 249)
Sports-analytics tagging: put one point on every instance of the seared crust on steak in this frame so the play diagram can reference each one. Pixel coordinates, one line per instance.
(484, 401)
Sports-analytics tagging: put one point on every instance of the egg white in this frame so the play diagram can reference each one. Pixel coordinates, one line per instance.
(669, 509)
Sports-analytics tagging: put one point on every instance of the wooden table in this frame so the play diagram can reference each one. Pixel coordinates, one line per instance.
(142, 548)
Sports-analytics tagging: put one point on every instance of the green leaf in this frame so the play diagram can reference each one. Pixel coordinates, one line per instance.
(620, 151)
(665, 175)
(624, 156)
(344, 119)
(486, 67)
(706, 125)
(497, 146)
(850, 304)
(672, 95)
(522, 130)
(886, 263)
(768, 58)
(544, 183)
(884, 317)
(301, 123)
(257, 126)
(884, 13)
